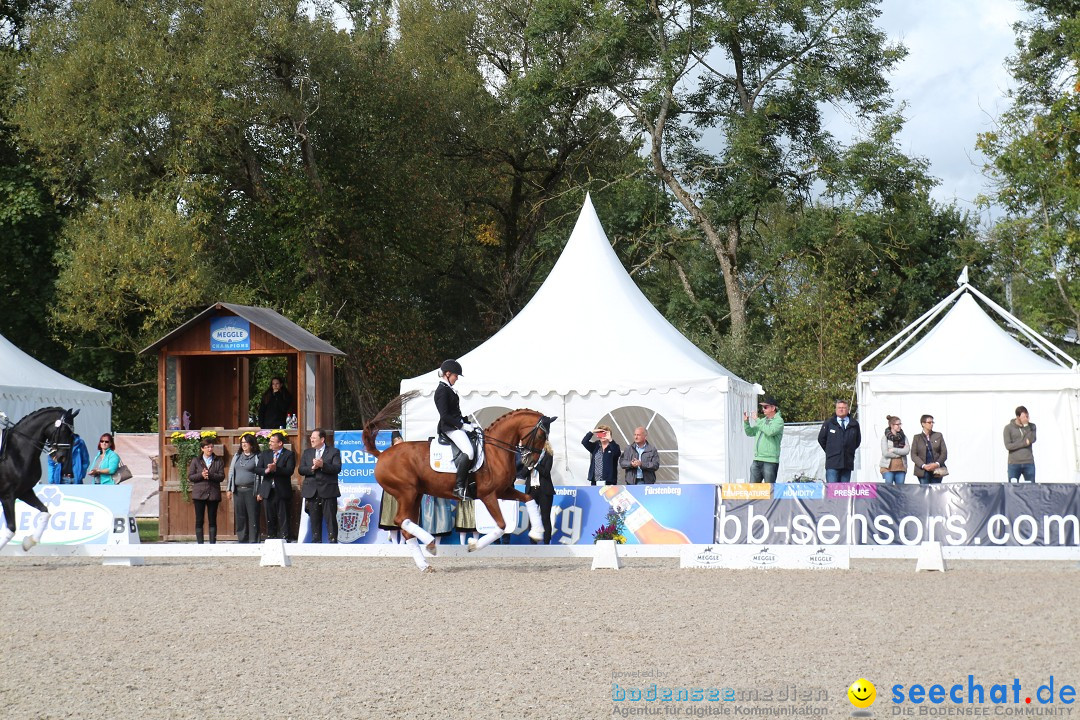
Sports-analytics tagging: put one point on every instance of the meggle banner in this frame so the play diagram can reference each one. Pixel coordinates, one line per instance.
(78, 514)
(981, 514)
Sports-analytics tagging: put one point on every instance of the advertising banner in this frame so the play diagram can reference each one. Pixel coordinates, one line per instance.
(975, 514)
(655, 514)
(358, 515)
(357, 465)
(229, 333)
(78, 514)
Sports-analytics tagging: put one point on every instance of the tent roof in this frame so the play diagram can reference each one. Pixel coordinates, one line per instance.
(588, 328)
(967, 341)
(20, 372)
(269, 320)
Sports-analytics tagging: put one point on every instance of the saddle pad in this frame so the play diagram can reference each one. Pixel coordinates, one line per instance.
(442, 457)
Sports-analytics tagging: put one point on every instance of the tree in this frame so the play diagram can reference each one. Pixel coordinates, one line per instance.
(1035, 164)
(729, 95)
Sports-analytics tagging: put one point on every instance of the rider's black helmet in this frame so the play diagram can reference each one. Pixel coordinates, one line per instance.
(450, 366)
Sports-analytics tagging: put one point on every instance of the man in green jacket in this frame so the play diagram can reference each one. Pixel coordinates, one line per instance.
(770, 431)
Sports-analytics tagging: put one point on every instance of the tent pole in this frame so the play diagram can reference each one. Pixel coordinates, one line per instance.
(921, 322)
(1030, 333)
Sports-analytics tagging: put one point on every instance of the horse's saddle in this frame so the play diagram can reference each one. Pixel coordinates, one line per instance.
(444, 453)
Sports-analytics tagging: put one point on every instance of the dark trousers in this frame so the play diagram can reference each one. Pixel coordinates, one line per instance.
(208, 508)
(544, 501)
(317, 509)
(277, 516)
(246, 514)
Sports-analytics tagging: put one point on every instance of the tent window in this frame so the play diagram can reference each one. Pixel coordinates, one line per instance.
(662, 436)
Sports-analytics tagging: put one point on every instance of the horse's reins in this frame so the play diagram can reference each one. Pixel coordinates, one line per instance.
(524, 446)
(49, 444)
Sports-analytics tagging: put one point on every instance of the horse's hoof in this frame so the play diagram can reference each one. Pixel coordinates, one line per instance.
(428, 569)
(472, 546)
(28, 542)
(432, 548)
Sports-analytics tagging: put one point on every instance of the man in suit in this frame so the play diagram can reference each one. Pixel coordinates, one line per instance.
(320, 465)
(275, 469)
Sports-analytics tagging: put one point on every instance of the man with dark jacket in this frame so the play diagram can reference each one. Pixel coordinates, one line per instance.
(320, 465)
(640, 461)
(839, 437)
(275, 469)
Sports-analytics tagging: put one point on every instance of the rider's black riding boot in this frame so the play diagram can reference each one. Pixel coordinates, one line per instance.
(461, 484)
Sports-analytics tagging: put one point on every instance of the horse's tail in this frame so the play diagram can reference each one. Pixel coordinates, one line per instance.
(380, 421)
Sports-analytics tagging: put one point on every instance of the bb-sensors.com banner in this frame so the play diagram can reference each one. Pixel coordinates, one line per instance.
(975, 514)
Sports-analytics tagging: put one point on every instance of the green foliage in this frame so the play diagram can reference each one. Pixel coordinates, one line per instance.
(1035, 163)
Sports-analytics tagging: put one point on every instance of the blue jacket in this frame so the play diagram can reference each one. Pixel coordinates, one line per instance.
(609, 464)
(80, 461)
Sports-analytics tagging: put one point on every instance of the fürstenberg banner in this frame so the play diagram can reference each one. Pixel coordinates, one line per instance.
(975, 514)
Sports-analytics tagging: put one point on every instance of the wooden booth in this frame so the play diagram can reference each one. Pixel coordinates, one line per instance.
(204, 370)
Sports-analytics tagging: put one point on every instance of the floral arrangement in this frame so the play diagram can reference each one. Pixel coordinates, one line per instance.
(187, 448)
(263, 438)
(614, 527)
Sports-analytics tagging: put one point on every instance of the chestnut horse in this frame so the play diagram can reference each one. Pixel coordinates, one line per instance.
(404, 471)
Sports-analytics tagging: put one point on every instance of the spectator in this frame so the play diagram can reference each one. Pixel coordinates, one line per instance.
(605, 455)
(640, 461)
(274, 490)
(839, 437)
(106, 462)
(543, 491)
(320, 466)
(205, 474)
(929, 453)
(770, 433)
(894, 452)
(276, 405)
(241, 488)
(1019, 437)
(80, 460)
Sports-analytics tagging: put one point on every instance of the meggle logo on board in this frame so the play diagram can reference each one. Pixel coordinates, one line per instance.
(230, 334)
(72, 520)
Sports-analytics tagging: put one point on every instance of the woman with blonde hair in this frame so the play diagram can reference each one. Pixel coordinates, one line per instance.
(894, 451)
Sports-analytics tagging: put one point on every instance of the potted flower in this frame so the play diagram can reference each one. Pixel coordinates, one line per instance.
(187, 448)
(613, 529)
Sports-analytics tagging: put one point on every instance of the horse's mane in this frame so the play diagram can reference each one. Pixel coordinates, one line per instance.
(512, 412)
(39, 411)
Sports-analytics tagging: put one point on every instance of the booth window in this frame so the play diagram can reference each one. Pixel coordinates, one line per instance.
(662, 436)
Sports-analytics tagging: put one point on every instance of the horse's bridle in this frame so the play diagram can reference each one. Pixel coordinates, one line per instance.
(51, 444)
(525, 447)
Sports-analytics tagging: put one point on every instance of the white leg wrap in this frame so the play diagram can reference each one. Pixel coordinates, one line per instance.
(418, 554)
(536, 523)
(5, 537)
(486, 540)
(417, 532)
(41, 528)
(393, 536)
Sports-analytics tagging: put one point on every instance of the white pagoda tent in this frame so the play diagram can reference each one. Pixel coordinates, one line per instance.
(591, 349)
(970, 373)
(27, 385)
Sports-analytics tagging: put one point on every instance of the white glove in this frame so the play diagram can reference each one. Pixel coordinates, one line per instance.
(468, 427)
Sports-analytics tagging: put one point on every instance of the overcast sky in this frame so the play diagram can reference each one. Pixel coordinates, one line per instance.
(954, 82)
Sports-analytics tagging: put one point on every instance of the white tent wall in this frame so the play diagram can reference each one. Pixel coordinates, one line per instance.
(710, 448)
(971, 374)
(972, 424)
(27, 385)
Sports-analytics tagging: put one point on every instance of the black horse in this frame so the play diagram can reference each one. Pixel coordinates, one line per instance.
(50, 429)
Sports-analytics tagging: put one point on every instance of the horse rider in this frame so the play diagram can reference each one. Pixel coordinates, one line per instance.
(452, 424)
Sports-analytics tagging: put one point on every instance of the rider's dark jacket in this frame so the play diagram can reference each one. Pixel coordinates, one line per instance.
(446, 401)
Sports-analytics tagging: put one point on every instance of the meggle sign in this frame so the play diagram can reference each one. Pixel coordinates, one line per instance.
(229, 333)
(78, 514)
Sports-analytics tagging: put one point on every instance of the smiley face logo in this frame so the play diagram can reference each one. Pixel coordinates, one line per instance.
(862, 693)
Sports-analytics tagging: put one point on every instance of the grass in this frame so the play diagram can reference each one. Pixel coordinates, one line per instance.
(148, 530)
